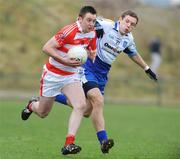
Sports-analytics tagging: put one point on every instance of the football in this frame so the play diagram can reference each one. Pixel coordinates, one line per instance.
(79, 53)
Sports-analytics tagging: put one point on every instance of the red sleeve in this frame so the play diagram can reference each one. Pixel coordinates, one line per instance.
(62, 35)
(92, 45)
(60, 38)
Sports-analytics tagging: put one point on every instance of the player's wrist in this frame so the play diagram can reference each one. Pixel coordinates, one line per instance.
(146, 68)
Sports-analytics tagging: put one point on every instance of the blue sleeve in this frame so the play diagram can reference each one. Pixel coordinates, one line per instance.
(130, 52)
(131, 49)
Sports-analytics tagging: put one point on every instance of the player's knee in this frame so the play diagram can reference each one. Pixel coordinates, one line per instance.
(96, 99)
(100, 101)
(83, 107)
(87, 113)
(80, 107)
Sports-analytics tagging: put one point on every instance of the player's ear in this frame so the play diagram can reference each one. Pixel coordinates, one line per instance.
(80, 19)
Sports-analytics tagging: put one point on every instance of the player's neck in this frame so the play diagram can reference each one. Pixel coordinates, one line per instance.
(121, 32)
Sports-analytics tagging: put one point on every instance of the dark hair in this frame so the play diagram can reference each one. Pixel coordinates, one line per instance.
(87, 9)
(130, 13)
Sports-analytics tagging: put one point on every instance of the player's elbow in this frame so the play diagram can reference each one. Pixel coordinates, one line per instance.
(45, 49)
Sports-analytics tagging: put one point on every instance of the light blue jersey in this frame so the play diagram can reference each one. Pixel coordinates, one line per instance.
(108, 48)
(113, 43)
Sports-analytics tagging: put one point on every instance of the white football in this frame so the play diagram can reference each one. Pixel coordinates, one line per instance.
(79, 53)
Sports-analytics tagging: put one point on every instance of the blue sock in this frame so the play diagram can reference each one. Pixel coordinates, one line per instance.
(101, 135)
(61, 98)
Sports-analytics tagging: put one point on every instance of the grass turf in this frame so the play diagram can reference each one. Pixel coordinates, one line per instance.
(139, 132)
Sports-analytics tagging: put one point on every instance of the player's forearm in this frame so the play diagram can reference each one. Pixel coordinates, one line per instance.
(139, 60)
(52, 52)
(50, 48)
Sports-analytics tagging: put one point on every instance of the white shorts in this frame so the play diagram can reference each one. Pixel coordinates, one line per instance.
(51, 83)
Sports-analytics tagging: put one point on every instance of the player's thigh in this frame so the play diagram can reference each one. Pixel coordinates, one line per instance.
(45, 104)
(74, 92)
(94, 93)
(95, 97)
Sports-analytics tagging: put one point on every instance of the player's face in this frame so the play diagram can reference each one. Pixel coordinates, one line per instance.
(87, 22)
(127, 24)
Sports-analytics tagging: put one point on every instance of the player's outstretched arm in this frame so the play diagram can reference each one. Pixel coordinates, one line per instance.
(138, 59)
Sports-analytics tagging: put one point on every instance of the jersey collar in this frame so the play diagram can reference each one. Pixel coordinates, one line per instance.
(116, 26)
(79, 26)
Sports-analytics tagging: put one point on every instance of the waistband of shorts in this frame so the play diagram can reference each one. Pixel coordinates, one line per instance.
(57, 70)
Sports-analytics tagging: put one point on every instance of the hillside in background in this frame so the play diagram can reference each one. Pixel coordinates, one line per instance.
(27, 25)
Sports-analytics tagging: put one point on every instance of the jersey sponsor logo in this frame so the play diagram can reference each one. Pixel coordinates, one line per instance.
(125, 44)
(112, 48)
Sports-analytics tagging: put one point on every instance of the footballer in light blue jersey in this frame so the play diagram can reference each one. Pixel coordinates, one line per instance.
(109, 47)
(113, 42)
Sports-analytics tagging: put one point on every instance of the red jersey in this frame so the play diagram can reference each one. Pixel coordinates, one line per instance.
(68, 37)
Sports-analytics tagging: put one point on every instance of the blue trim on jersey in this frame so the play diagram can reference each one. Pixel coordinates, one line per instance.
(116, 25)
(129, 52)
(98, 67)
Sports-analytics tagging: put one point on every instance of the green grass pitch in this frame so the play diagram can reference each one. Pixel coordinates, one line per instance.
(140, 132)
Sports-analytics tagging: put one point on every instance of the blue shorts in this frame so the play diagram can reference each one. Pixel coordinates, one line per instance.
(95, 75)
